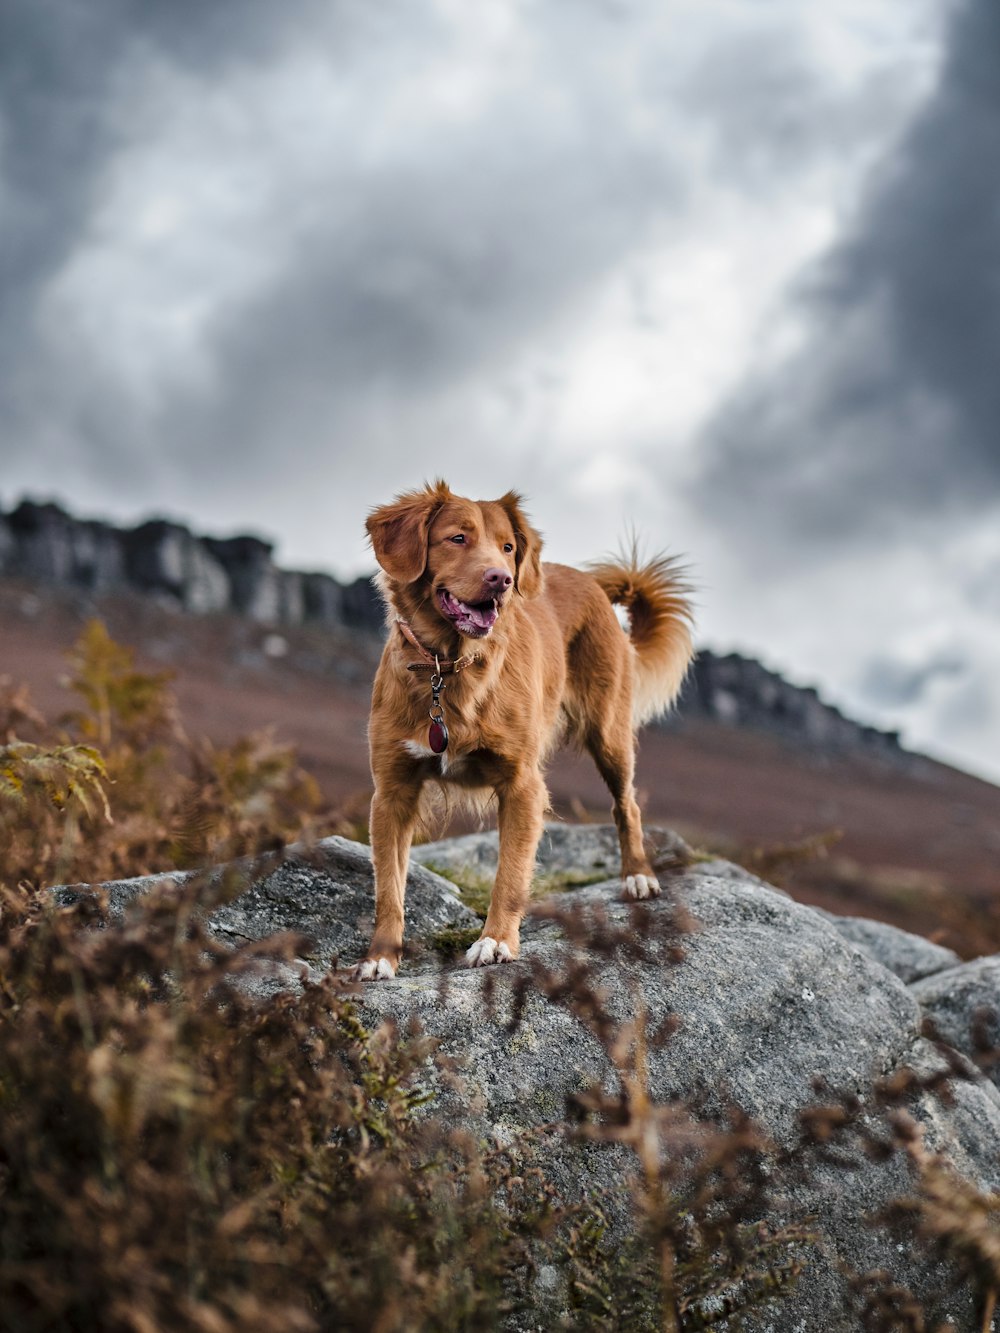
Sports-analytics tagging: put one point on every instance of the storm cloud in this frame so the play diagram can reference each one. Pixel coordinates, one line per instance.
(724, 273)
(887, 412)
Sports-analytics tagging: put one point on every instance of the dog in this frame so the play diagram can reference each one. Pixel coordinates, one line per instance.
(492, 660)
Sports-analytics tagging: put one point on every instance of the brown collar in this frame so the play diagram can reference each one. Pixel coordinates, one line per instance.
(441, 666)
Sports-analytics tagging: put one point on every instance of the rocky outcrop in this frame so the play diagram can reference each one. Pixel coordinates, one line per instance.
(739, 692)
(199, 574)
(238, 574)
(763, 995)
(42, 541)
(165, 558)
(323, 892)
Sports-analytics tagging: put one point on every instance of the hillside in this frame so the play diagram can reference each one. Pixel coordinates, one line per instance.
(920, 840)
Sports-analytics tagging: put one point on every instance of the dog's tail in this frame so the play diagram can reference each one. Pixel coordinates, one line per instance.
(656, 595)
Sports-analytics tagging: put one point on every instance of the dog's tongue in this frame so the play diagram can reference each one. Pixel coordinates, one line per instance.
(482, 616)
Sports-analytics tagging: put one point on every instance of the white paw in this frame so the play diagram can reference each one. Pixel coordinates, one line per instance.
(374, 969)
(486, 951)
(642, 886)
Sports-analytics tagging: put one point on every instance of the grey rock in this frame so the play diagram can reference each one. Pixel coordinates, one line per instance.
(46, 543)
(322, 598)
(325, 892)
(566, 852)
(740, 692)
(163, 558)
(254, 578)
(362, 607)
(964, 1002)
(292, 601)
(766, 995)
(769, 996)
(7, 547)
(166, 558)
(910, 957)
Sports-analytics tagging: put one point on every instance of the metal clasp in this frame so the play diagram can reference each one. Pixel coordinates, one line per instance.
(437, 687)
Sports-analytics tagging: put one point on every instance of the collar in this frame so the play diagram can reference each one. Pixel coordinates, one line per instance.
(441, 666)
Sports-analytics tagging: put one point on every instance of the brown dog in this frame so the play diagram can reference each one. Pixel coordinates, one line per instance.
(492, 660)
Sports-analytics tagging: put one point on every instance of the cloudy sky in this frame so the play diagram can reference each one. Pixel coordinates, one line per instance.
(727, 271)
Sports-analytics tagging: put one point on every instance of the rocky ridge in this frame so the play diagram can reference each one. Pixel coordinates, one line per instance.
(45, 544)
(765, 995)
(165, 559)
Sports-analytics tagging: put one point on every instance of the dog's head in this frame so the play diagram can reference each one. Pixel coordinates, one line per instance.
(466, 558)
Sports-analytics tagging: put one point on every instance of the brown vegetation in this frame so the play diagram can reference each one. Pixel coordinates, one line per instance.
(177, 1153)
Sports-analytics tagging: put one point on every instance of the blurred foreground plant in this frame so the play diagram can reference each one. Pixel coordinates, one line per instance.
(183, 1148)
(179, 1151)
(117, 789)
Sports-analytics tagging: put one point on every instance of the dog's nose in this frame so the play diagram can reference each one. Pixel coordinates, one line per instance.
(497, 580)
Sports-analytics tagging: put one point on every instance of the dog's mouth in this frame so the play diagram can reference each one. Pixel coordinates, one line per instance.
(473, 619)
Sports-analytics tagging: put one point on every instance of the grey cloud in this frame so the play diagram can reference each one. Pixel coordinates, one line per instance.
(423, 271)
(890, 409)
(420, 271)
(59, 62)
(773, 109)
(55, 62)
(439, 273)
(887, 682)
(427, 268)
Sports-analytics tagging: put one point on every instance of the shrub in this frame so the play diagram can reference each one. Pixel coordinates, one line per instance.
(117, 789)
(182, 1148)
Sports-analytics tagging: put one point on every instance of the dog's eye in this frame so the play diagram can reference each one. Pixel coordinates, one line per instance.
(508, 546)
(458, 539)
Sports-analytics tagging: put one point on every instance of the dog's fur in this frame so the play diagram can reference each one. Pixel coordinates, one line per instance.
(552, 664)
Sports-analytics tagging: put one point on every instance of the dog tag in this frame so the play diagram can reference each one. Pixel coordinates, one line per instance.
(437, 736)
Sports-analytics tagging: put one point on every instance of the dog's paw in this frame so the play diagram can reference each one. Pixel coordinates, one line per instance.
(374, 969)
(641, 886)
(487, 951)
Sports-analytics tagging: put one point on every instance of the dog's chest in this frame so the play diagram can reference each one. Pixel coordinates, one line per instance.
(466, 766)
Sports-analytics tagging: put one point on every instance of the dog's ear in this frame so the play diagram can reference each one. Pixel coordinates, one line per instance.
(528, 543)
(398, 531)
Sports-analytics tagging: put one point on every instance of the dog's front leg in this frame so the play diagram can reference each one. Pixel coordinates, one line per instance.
(522, 809)
(391, 828)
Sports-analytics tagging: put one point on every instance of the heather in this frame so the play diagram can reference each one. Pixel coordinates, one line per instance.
(180, 1149)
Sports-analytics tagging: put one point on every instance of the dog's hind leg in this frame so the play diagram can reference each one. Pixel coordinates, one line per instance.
(522, 804)
(392, 825)
(613, 752)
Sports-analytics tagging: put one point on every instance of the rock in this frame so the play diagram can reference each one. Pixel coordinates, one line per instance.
(964, 1002)
(7, 547)
(254, 578)
(325, 892)
(203, 575)
(362, 607)
(292, 599)
(910, 957)
(568, 854)
(47, 544)
(768, 996)
(764, 995)
(322, 598)
(166, 558)
(740, 692)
